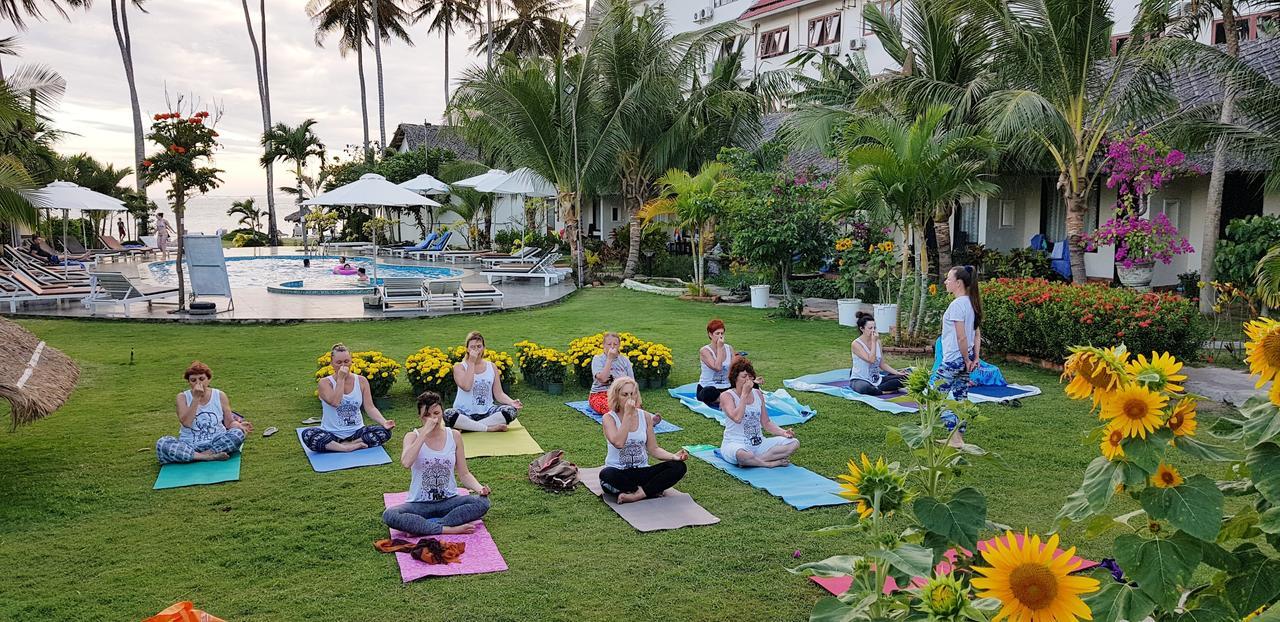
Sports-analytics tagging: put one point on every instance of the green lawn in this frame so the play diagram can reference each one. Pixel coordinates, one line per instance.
(83, 536)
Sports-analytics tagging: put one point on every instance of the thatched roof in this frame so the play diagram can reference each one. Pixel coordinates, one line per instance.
(36, 378)
(413, 136)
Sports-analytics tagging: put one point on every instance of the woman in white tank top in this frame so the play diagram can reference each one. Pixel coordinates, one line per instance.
(868, 373)
(210, 430)
(747, 419)
(630, 442)
(480, 404)
(343, 395)
(433, 454)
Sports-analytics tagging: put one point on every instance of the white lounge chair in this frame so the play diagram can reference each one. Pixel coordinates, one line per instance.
(443, 294)
(20, 287)
(542, 269)
(402, 290)
(116, 288)
(524, 255)
(479, 296)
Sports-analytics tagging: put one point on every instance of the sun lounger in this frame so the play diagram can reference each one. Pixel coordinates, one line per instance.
(51, 276)
(23, 288)
(443, 294)
(478, 296)
(524, 255)
(543, 269)
(399, 290)
(420, 246)
(455, 257)
(74, 247)
(138, 251)
(116, 288)
(435, 248)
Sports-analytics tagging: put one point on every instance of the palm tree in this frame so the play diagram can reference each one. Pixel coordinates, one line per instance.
(16, 12)
(448, 14)
(388, 19)
(264, 100)
(124, 40)
(534, 29)
(1063, 95)
(470, 204)
(297, 146)
(25, 142)
(689, 201)
(906, 170)
(249, 213)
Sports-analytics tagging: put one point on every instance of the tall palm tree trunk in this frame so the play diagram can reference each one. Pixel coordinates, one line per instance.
(266, 105)
(364, 101)
(445, 114)
(1076, 204)
(120, 22)
(1218, 174)
(302, 209)
(488, 28)
(273, 236)
(377, 61)
(633, 196)
(179, 211)
(942, 234)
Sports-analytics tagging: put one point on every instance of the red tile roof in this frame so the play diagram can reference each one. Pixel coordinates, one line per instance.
(760, 7)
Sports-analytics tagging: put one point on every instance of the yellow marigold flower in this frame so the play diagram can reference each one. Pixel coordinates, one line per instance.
(1160, 374)
(1112, 447)
(1182, 421)
(1263, 349)
(1032, 581)
(1134, 410)
(1166, 477)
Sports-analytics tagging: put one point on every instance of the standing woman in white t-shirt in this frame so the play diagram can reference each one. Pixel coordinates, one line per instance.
(480, 405)
(961, 333)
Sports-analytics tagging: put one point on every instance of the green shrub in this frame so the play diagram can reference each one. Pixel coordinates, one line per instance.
(505, 239)
(817, 288)
(674, 266)
(1238, 253)
(245, 240)
(1037, 318)
(789, 308)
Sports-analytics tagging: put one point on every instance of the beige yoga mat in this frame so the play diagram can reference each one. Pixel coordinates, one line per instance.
(514, 442)
(672, 510)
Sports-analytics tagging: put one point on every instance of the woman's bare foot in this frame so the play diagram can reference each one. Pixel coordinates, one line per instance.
(467, 528)
(777, 463)
(500, 427)
(629, 497)
(209, 456)
(348, 446)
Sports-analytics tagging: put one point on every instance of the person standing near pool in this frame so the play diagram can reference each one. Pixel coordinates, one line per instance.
(210, 430)
(747, 419)
(342, 396)
(607, 367)
(162, 234)
(630, 441)
(480, 404)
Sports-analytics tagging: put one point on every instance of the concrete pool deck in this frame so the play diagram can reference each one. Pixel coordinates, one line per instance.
(256, 304)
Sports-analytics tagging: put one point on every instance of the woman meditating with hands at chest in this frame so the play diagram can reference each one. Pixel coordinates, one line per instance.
(607, 367)
(744, 442)
(868, 373)
(433, 454)
(342, 396)
(628, 431)
(210, 431)
(480, 405)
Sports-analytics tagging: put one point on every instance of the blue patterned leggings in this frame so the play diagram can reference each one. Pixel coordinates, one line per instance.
(428, 518)
(170, 450)
(373, 435)
(953, 379)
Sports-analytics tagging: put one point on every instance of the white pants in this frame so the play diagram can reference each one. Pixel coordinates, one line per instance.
(729, 451)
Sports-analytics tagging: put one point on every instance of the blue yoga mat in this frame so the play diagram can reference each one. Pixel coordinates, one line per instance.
(835, 383)
(585, 408)
(783, 409)
(198, 473)
(795, 485)
(326, 461)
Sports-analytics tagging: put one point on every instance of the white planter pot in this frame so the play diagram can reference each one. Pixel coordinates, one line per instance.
(1137, 277)
(847, 311)
(759, 296)
(886, 318)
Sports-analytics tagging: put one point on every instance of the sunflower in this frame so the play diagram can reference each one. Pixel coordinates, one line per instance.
(1094, 372)
(1160, 374)
(1134, 409)
(1031, 582)
(1182, 422)
(861, 485)
(1166, 477)
(1263, 349)
(942, 597)
(1112, 447)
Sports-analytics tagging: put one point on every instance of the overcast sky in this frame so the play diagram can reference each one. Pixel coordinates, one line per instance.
(201, 48)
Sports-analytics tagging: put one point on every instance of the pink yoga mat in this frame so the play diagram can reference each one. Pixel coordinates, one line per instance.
(481, 556)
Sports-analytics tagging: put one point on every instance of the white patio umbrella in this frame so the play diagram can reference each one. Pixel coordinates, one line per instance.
(67, 196)
(372, 190)
(473, 182)
(426, 185)
(520, 181)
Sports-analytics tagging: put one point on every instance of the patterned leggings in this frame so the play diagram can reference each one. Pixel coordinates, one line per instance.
(953, 379)
(480, 422)
(170, 450)
(373, 435)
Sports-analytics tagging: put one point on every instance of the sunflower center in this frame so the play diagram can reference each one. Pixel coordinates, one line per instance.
(1135, 409)
(1034, 585)
(1175, 422)
(1116, 437)
(1271, 348)
(1167, 477)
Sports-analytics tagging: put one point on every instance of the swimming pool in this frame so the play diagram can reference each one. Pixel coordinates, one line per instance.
(273, 271)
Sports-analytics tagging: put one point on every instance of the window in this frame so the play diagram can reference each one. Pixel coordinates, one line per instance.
(891, 9)
(720, 3)
(966, 224)
(824, 30)
(775, 42)
(1006, 213)
(1172, 209)
(1117, 43)
(615, 214)
(1249, 26)
(1053, 211)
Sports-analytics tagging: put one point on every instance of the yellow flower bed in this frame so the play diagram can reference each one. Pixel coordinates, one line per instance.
(431, 369)
(651, 360)
(379, 369)
(541, 365)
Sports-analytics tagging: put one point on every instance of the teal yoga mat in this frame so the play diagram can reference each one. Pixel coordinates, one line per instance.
(783, 409)
(795, 485)
(198, 473)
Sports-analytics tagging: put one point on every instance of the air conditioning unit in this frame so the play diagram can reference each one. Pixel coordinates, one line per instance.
(857, 43)
(702, 15)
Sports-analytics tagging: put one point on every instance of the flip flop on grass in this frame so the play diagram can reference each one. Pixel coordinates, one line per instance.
(311, 421)
(269, 431)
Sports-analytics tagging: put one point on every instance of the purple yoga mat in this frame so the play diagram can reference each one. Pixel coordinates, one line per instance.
(481, 556)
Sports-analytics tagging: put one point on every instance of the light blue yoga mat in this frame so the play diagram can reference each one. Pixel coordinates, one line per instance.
(198, 473)
(825, 383)
(326, 461)
(783, 409)
(797, 486)
(585, 408)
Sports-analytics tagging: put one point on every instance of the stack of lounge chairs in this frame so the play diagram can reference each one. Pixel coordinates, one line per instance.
(116, 288)
(25, 278)
(543, 268)
(416, 294)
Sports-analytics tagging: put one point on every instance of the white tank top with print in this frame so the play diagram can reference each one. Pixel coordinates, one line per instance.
(344, 419)
(432, 470)
(634, 453)
(748, 431)
(480, 398)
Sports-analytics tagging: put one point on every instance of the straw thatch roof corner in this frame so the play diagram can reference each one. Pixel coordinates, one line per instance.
(36, 379)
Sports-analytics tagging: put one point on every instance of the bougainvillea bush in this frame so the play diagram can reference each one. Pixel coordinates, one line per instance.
(1034, 317)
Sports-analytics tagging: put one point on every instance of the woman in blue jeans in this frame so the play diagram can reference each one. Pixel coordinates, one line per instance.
(433, 453)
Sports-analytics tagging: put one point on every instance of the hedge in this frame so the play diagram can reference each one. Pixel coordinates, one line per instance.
(1037, 318)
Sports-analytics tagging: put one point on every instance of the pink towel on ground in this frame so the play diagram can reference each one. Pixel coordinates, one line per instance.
(481, 556)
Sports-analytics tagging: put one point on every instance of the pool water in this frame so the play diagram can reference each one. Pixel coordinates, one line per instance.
(272, 271)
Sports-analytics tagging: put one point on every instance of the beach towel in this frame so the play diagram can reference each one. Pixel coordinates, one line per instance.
(672, 510)
(795, 485)
(836, 383)
(783, 409)
(516, 441)
(325, 461)
(481, 555)
(583, 407)
(178, 475)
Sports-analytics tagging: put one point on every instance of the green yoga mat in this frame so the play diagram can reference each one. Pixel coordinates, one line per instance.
(198, 473)
(516, 441)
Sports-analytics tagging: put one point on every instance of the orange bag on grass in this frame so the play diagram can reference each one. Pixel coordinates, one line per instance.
(183, 612)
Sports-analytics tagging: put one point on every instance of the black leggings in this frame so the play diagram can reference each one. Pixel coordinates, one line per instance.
(888, 384)
(654, 479)
(709, 395)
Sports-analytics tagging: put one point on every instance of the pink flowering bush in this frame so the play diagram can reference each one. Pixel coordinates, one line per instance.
(1138, 165)
(1139, 240)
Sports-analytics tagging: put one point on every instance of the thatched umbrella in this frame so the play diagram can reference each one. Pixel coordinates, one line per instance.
(36, 379)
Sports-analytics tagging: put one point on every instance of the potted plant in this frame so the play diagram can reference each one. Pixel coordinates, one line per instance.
(849, 259)
(880, 267)
(1139, 242)
(554, 371)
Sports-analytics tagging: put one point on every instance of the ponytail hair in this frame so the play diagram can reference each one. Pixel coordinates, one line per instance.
(969, 276)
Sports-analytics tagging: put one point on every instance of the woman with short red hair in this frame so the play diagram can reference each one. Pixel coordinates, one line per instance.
(715, 359)
(210, 430)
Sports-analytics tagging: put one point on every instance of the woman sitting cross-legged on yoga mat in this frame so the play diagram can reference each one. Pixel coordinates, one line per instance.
(628, 431)
(480, 405)
(715, 359)
(342, 396)
(210, 431)
(868, 373)
(607, 367)
(744, 442)
(433, 453)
